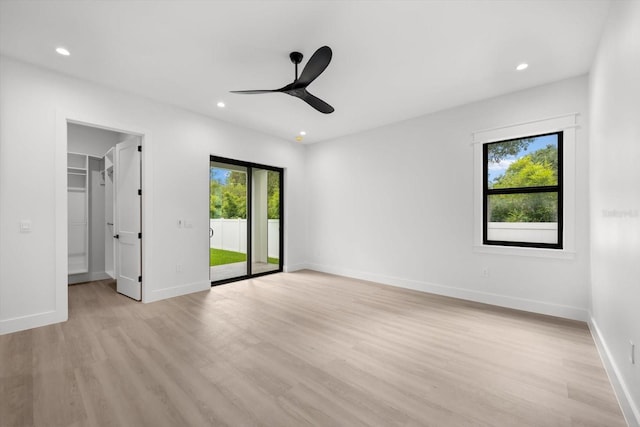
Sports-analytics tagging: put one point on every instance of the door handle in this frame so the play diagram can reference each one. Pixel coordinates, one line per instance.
(117, 236)
(210, 232)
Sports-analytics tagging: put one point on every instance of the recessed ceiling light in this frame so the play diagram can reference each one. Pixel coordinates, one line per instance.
(522, 66)
(221, 104)
(62, 51)
(299, 138)
(303, 133)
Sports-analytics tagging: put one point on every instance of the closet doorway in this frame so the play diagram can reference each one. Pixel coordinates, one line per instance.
(245, 220)
(104, 189)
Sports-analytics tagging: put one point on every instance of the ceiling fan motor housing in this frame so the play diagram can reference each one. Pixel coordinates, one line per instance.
(296, 57)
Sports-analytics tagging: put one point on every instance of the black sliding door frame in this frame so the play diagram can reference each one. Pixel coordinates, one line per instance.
(250, 166)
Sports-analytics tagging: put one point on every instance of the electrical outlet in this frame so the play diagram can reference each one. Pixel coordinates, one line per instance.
(485, 271)
(632, 356)
(25, 226)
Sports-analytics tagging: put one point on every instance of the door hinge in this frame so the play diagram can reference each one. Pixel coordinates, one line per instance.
(139, 192)
(140, 148)
(139, 235)
(140, 279)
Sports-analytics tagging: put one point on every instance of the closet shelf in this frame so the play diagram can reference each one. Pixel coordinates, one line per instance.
(77, 161)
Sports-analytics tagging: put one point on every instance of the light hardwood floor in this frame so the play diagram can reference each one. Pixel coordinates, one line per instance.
(299, 349)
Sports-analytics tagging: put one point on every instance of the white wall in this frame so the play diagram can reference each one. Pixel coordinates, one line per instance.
(419, 174)
(180, 143)
(90, 140)
(96, 221)
(615, 200)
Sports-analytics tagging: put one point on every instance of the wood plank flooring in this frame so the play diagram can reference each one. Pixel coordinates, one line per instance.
(300, 349)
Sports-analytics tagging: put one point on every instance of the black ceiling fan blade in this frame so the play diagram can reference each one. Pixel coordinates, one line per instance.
(315, 66)
(315, 102)
(253, 92)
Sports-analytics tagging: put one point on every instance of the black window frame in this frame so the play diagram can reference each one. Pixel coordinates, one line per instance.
(558, 188)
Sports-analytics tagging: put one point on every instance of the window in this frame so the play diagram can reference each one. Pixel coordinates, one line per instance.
(563, 246)
(522, 192)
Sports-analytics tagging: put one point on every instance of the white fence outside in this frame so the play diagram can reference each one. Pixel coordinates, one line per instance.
(536, 232)
(231, 235)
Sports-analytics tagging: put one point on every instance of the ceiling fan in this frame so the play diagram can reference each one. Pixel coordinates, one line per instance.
(315, 66)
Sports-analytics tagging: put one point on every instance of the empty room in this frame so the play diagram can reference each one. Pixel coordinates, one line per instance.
(320, 213)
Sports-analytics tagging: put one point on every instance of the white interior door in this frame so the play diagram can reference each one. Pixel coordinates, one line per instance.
(128, 224)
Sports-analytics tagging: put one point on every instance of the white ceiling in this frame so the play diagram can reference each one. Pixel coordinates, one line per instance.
(392, 60)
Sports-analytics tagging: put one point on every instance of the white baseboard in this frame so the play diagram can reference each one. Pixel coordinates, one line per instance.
(16, 324)
(295, 267)
(88, 277)
(541, 307)
(175, 291)
(629, 408)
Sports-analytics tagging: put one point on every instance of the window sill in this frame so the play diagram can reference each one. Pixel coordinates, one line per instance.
(526, 252)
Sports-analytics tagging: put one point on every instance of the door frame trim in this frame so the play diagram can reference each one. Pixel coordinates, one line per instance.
(63, 118)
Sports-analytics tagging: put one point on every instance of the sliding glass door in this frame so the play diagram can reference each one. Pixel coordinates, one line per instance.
(245, 220)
